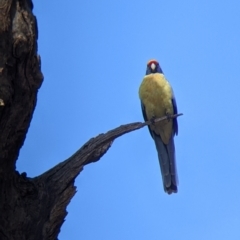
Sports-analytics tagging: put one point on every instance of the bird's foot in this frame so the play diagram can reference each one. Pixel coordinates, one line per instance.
(153, 120)
(169, 116)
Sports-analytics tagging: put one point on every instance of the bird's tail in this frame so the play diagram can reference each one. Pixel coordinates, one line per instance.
(166, 156)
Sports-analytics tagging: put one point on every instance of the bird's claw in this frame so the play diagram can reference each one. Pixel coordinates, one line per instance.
(153, 120)
(169, 116)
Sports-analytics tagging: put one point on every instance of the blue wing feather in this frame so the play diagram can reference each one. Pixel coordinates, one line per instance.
(175, 111)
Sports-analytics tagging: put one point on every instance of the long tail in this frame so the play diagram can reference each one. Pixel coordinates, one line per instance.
(166, 156)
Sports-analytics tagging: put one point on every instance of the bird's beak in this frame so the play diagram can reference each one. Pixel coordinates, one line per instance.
(153, 66)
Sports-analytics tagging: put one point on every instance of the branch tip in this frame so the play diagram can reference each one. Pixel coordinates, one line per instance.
(162, 118)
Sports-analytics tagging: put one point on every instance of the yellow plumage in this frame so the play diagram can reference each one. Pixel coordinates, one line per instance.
(156, 95)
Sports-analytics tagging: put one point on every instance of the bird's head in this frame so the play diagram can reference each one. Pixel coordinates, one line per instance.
(153, 67)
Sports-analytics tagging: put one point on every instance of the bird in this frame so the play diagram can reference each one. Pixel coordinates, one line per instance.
(157, 100)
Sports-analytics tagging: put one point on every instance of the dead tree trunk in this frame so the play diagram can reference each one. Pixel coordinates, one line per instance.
(32, 208)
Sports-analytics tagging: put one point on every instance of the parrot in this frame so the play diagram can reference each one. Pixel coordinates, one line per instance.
(157, 100)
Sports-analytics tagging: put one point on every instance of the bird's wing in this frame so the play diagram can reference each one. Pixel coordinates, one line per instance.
(175, 111)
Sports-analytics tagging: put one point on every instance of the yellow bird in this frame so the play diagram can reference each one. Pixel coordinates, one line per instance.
(157, 100)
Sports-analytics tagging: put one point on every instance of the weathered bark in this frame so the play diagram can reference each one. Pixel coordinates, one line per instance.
(32, 208)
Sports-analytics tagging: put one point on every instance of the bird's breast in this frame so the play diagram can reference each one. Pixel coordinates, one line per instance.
(156, 95)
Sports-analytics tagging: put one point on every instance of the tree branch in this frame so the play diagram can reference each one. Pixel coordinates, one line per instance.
(59, 181)
(96, 147)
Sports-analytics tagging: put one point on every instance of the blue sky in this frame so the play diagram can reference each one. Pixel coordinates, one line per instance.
(94, 56)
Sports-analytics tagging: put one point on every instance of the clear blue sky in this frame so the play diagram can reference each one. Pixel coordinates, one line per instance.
(94, 56)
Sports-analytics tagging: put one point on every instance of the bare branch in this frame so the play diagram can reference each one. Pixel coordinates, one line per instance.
(90, 152)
